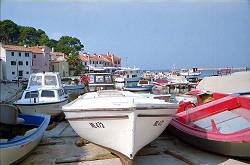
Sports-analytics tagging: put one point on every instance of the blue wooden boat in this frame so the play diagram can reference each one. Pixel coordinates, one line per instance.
(139, 88)
(19, 137)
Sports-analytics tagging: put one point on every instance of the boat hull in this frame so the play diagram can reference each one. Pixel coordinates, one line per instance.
(235, 149)
(52, 109)
(124, 131)
(16, 151)
(135, 89)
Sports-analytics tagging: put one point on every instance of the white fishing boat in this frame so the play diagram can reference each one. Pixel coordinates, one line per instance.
(127, 76)
(174, 79)
(44, 94)
(190, 72)
(119, 120)
(19, 134)
(100, 81)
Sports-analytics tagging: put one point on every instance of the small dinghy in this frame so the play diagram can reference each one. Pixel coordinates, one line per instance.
(119, 120)
(138, 88)
(221, 126)
(19, 134)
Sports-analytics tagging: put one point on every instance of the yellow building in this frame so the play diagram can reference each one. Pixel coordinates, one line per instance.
(59, 64)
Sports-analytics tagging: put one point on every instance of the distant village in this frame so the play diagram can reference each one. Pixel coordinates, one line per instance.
(18, 62)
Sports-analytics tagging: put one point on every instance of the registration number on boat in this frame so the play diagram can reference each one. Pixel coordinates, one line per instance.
(97, 125)
(158, 123)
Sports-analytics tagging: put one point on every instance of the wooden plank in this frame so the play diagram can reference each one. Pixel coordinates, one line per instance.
(245, 113)
(84, 158)
(218, 118)
(232, 125)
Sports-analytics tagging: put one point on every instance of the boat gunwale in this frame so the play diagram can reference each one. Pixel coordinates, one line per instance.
(118, 109)
(33, 136)
(183, 135)
(236, 137)
(45, 103)
(118, 116)
(98, 117)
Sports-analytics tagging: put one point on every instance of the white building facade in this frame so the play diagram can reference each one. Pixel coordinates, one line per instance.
(16, 62)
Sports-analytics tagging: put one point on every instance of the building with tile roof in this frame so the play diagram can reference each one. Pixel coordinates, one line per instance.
(59, 63)
(16, 62)
(100, 60)
(40, 58)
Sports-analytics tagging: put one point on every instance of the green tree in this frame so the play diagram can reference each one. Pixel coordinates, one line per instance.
(52, 43)
(67, 45)
(28, 36)
(9, 32)
(43, 39)
(74, 63)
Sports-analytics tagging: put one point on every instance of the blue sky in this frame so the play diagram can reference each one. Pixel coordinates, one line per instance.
(147, 34)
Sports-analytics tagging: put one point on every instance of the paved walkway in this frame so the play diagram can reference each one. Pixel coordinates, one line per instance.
(8, 91)
(58, 146)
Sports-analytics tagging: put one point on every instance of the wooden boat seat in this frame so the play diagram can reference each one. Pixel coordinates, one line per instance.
(209, 109)
(245, 113)
(225, 122)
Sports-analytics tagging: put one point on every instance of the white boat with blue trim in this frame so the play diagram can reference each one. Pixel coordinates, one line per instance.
(119, 120)
(44, 94)
(19, 134)
(126, 76)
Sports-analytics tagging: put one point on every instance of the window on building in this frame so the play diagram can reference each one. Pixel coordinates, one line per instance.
(19, 54)
(27, 55)
(13, 73)
(13, 62)
(20, 73)
(20, 63)
(34, 56)
(27, 72)
(27, 62)
(12, 53)
(47, 93)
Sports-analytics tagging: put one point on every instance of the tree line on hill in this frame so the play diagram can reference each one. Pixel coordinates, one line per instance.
(13, 34)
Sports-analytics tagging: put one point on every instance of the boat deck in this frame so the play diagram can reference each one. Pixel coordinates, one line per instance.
(225, 121)
(62, 145)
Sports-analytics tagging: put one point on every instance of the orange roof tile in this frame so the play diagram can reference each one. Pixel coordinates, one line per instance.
(83, 58)
(16, 48)
(36, 49)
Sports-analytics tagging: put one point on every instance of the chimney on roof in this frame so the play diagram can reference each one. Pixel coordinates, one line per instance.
(52, 49)
(25, 46)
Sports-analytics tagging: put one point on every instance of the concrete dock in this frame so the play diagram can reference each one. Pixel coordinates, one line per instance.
(61, 145)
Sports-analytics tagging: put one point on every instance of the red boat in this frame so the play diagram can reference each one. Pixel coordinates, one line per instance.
(221, 126)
